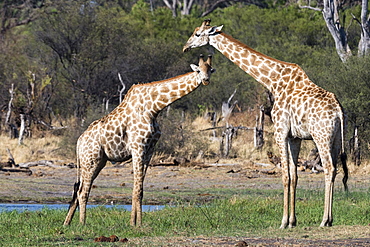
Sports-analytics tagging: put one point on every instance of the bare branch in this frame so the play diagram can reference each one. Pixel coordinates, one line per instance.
(309, 7)
(213, 7)
(224, 3)
(122, 89)
(355, 18)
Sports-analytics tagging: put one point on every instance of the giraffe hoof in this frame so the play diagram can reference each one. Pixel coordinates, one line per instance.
(326, 224)
(283, 226)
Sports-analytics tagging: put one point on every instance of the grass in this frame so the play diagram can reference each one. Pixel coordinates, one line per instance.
(32, 149)
(253, 216)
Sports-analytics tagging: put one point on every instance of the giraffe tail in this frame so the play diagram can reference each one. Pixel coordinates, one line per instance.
(343, 155)
(72, 204)
(343, 158)
(76, 186)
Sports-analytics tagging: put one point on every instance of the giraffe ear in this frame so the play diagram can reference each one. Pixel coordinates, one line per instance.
(194, 67)
(215, 30)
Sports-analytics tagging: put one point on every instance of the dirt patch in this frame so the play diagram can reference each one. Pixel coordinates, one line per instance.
(114, 183)
(242, 242)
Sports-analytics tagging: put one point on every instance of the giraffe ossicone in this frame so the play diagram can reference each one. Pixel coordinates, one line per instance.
(302, 110)
(130, 131)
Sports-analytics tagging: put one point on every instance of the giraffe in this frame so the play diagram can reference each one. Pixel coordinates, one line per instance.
(302, 111)
(130, 131)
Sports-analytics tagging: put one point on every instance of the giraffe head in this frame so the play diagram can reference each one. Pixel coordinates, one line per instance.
(201, 34)
(204, 70)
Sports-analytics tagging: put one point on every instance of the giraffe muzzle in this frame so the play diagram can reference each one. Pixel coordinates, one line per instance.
(205, 82)
(185, 48)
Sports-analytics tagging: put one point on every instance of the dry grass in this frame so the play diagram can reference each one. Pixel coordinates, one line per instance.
(32, 149)
(53, 147)
(243, 142)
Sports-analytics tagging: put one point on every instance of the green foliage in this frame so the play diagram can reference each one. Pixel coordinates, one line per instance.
(76, 49)
(350, 83)
(179, 139)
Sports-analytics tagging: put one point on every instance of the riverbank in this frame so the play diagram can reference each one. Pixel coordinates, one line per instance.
(164, 184)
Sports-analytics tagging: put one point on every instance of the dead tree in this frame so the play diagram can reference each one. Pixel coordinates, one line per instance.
(10, 104)
(184, 6)
(313, 162)
(122, 89)
(228, 133)
(105, 105)
(355, 147)
(13, 131)
(258, 130)
(11, 160)
(335, 24)
(364, 23)
(22, 129)
(213, 118)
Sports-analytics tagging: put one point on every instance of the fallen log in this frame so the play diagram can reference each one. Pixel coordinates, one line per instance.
(11, 158)
(26, 170)
(48, 163)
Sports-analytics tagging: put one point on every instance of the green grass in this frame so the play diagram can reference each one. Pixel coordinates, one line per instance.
(254, 215)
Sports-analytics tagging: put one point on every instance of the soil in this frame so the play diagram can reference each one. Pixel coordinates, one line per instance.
(114, 184)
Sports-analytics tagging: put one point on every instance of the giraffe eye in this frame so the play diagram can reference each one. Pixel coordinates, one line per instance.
(197, 35)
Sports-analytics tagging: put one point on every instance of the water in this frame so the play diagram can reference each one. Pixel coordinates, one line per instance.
(38, 207)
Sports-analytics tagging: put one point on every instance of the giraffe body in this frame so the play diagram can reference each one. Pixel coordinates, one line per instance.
(130, 131)
(302, 111)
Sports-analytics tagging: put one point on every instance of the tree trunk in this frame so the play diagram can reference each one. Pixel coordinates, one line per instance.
(227, 135)
(122, 89)
(11, 158)
(186, 7)
(172, 6)
(22, 129)
(335, 26)
(355, 147)
(13, 132)
(10, 104)
(258, 130)
(337, 31)
(364, 43)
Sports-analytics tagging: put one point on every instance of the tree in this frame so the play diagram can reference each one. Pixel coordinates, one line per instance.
(335, 20)
(19, 12)
(355, 86)
(364, 22)
(207, 6)
(210, 7)
(184, 6)
(84, 44)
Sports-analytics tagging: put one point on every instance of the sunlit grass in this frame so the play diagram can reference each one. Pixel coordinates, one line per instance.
(254, 215)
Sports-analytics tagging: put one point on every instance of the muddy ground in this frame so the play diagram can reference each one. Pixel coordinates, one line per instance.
(166, 183)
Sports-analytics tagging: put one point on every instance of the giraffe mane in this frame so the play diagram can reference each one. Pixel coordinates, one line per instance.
(154, 83)
(254, 51)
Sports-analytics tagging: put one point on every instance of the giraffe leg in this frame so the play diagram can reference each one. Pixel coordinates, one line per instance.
(83, 197)
(87, 179)
(329, 160)
(137, 197)
(137, 192)
(72, 205)
(294, 148)
(283, 149)
(141, 158)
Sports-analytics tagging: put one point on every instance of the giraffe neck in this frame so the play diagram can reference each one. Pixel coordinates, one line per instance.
(266, 70)
(157, 95)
